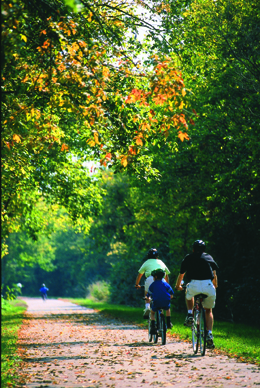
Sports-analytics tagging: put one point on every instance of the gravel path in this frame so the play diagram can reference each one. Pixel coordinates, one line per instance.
(64, 345)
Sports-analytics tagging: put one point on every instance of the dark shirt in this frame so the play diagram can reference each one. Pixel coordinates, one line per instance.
(198, 266)
(161, 292)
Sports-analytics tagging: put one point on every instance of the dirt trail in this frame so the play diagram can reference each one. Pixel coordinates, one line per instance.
(64, 345)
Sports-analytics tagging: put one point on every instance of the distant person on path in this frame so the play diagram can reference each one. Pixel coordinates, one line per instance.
(200, 269)
(43, 290)
(148, 266)
(161, 293)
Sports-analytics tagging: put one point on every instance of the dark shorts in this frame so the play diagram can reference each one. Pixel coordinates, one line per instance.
(156, 306)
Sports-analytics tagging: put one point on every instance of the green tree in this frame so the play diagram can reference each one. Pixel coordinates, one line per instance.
(73, 90)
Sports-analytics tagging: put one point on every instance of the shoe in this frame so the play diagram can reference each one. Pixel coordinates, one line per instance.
(146, 313)
(153, 328)
(169, 325)
(188, 320)
(209, 341)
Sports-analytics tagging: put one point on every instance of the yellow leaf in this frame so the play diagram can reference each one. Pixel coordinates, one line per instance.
(96, 137)
(181, 105)
(105, 72)
(183, 92)
(23, 37)
(124, 160)
(16, 138)
(91, 142)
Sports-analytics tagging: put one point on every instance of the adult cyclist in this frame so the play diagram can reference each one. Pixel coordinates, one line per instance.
(148, 266)
(200, 269)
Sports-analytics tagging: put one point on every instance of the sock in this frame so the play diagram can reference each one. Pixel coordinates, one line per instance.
(189, 311)
(209, 331)
(147, 305)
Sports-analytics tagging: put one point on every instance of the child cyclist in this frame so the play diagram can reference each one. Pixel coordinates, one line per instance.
(161, 293)
(148, 266)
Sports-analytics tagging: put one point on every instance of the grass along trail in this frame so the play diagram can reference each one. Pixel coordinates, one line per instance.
(64, 345)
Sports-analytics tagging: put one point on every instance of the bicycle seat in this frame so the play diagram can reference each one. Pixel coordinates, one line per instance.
(198, 296)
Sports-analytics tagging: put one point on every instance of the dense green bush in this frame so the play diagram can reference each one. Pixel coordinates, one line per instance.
(99, 291)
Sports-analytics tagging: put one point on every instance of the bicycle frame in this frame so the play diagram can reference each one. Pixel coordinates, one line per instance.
(199, 325)
(160, 327)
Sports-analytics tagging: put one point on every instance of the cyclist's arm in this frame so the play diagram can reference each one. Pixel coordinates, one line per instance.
(178, 281)
(138, 279)
(215, 280)
(167, 278)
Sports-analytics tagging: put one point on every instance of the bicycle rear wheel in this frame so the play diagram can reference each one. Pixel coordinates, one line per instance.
(157, 324)
(150, 336)
(203, 332)
(195, 332)
(163, 328)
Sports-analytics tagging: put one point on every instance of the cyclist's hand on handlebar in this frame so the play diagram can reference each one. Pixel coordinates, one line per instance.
(137, 286)
(179, 288)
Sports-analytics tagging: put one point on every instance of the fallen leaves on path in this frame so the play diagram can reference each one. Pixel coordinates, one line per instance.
(86, 349)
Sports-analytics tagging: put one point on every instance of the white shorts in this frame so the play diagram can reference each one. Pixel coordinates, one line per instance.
(149, 281)
(202, 287)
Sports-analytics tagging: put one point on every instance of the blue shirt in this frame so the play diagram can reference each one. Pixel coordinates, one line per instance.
(44, 290)
(161, 292)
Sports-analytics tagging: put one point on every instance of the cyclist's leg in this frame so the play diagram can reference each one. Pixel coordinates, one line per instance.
(190, 303)
(192, 289)
(147, 284)
(153, 327)
(209, 319)
(168, 318)
(152, 315)
(209, 304)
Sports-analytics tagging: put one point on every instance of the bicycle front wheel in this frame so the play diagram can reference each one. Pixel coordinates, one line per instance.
(203, 332)
(195, 332)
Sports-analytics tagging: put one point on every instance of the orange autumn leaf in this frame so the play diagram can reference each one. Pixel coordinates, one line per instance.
(64, 147)
(108, 156)
(16, 138)
(183, 135)
(139, 141)
(124, 160)
(131, 151)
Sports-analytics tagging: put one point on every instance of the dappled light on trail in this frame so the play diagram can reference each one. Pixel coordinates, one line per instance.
(70, 346)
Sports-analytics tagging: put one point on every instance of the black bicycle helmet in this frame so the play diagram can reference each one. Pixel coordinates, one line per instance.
(158, 272)
(153, 253)
(199, 245)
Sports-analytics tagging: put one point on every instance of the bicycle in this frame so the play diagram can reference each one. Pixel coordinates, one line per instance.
(160, 326)
(198, 328)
